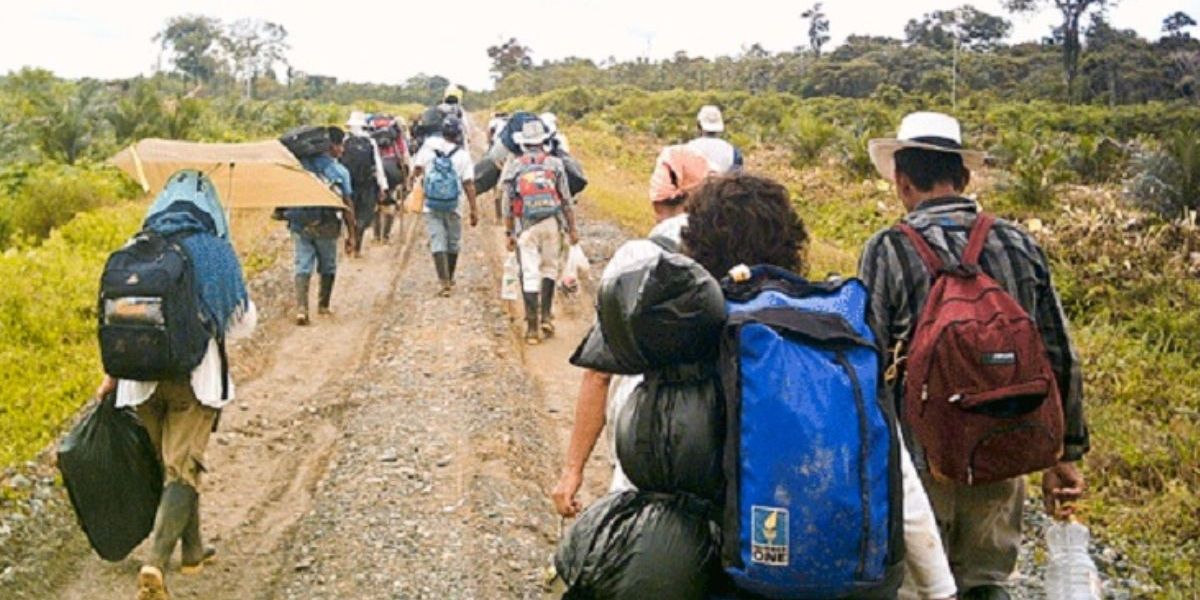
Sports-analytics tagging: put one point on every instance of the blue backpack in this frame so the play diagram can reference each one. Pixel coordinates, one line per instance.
(442, 186)
(813, 499)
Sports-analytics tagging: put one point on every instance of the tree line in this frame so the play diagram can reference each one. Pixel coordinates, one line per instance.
(949, 53)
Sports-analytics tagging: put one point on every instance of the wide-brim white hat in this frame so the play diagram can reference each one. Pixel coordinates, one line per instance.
(927, 131)
(532, 133)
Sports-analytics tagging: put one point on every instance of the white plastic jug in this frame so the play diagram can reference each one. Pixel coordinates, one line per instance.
(510, 282)
(1070, 574)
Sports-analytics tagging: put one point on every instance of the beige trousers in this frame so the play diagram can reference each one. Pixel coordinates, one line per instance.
(180, 427)
(540, 248)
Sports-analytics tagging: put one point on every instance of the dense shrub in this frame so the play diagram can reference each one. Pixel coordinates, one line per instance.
(34, 199)
(1165, 178)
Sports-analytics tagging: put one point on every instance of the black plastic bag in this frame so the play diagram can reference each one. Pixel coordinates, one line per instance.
(670, 434)
(113, 477)
(635, 545)
(665, 311)
(487, 174)
(576, 180)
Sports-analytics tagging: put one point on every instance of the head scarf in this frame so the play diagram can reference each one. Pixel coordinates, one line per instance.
(189, 210)
(677, 170)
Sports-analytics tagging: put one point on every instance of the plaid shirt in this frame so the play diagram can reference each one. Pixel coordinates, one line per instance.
(899, 284)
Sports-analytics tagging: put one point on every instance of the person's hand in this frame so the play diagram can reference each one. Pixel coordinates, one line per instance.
(574, 237)
(1062, 485)
(564, 493)
(108, 386)
(382, 196)
(512, 243)
(350, 245)
(474, 217)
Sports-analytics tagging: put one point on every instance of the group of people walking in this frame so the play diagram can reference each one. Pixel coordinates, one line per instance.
(960, 538)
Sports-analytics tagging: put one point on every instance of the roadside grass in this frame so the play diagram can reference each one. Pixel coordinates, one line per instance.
(1132, 306)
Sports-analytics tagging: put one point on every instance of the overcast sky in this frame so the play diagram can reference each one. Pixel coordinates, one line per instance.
(349, 40)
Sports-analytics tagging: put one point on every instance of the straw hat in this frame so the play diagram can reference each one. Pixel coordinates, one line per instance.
(927, 131)
(533, 132)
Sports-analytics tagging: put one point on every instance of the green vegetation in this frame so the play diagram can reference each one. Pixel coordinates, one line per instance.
(1128, 275)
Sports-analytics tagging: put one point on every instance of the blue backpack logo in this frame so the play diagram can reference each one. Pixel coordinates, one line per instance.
(813, 495)
(442, 186)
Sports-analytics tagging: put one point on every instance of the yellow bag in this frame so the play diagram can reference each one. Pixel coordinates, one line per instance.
(415, 202)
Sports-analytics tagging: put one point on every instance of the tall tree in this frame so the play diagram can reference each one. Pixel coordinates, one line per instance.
(818, 27)
(974, 28)
(509, 57)
(1175, 24)
(193, 42)
(255, 47)
(1072, 12)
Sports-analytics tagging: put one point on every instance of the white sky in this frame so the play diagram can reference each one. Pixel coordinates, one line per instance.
(111, 39)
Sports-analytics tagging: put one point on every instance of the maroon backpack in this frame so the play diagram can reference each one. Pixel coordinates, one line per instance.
(979, 394)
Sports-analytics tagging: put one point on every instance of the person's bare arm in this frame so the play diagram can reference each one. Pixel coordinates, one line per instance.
(413, 175)
(469, 188)
(589, 422)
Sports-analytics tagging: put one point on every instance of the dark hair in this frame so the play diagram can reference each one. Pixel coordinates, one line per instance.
(743, 219)
(928, 168)
(336, 135)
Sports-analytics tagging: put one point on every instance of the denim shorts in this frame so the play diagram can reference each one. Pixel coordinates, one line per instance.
(319, 250)
(445, 230)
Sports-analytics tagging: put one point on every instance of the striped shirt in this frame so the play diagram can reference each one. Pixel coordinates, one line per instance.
(899, 284)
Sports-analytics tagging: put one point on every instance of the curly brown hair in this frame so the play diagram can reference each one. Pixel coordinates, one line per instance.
(744, 219)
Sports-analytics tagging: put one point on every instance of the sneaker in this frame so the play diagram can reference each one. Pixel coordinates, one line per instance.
(210, 556)
(302, 318)
(151, 585)
(444, 292)
(548, 329)
(531, 336)
(324, 311)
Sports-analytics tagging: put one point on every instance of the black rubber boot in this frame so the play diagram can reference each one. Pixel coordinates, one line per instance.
(195, 554)
(532, 336)
(451, 265)
(325, 294)
(548, 286)
(986, 592)
(174, 513)
(302, 285)
(442, 263)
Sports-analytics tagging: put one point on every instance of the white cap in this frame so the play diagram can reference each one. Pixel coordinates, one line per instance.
(357, 118)
(710, 119)
(551, 122)
(925, 130)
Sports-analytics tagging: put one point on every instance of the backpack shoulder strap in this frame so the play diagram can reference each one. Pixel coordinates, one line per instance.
(977, 239)
(932, 261)
(665, 243)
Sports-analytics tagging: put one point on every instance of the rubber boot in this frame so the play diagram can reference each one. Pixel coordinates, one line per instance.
(548, 286)
(325, 294)
(532, 336)
(195, 554)
(302, 284)
(389, 219)
(442, 263)
(174, 513)
(451, 265)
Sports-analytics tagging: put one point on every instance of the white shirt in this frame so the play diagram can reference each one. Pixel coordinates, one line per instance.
(463, 167)
(621, 388)
(206, 377)
(718, 152)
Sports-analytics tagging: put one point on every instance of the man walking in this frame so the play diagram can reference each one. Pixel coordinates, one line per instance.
(537, 209)
(723, 157)
(315, 230)
(980, 522)
(448, 177)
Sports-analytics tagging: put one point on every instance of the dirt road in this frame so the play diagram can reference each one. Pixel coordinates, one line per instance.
(400, 449)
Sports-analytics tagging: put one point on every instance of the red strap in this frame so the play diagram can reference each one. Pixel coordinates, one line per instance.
(932, 261)
(977, 239)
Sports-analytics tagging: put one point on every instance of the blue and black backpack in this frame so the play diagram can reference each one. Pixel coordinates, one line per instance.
(441, 182)
(813, 496)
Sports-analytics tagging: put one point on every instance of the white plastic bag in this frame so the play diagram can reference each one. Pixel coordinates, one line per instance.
(510, 282)
(578, 268)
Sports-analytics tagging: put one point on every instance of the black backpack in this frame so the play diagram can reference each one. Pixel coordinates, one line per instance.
(307, 140)
(359, 159)
(151, 328)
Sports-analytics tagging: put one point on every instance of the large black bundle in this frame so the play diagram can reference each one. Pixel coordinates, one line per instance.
(670, 434)
(661, 312)
(307, 140)
(487, 174)
(576, 180)
(635, 545)
(113, 477)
